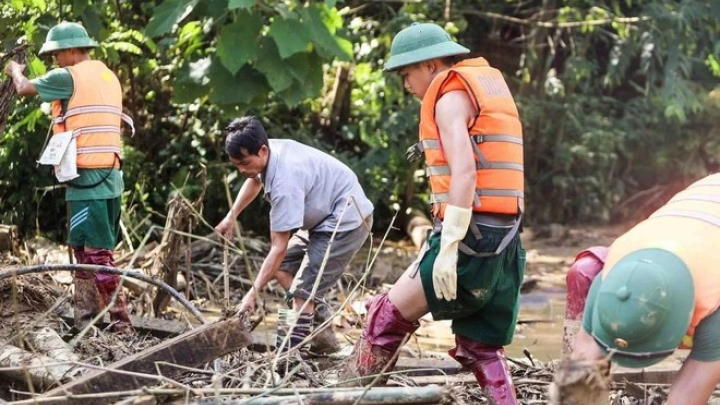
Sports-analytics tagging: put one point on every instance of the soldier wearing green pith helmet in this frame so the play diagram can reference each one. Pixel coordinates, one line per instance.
(86, 99)
(472, 265)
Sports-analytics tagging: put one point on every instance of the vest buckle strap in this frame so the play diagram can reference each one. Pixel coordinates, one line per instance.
(414, 152)
(480, 138)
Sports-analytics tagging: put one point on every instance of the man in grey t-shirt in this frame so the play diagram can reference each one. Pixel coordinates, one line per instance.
(312, 196)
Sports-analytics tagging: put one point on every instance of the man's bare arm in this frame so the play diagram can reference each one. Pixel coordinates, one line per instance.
(23, 86)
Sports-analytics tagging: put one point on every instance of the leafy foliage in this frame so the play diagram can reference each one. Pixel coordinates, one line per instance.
(617, 98)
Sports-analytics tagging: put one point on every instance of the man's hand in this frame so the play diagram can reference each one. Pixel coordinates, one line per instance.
(226, 226)
(455, 226)
(248, 302)
(12, 67)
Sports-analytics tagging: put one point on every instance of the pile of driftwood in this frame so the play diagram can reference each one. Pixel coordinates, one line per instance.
(186, 358)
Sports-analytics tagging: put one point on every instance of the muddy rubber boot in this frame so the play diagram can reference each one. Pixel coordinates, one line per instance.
(585, 268)
(324, 341)
(490, 368)
(106, 285)
(86, 299)
(385, 331)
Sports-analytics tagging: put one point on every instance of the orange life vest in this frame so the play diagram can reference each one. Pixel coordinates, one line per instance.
(688, 226)
(496, 135)
(93, 114)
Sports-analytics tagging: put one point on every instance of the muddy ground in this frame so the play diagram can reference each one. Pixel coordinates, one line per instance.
(34, 301)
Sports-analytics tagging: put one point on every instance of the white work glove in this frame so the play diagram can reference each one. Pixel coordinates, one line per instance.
(455, 226)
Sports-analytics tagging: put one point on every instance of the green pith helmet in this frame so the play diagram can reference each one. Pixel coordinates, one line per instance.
(643, 307)
(420, 42)
(67, 35)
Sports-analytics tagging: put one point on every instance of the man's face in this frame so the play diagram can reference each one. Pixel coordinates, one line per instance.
(251, 165)
(63, 57)
(417, 78)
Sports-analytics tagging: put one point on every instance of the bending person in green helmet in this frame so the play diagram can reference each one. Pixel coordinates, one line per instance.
(472, 265)
(660, 289)
(86, 101)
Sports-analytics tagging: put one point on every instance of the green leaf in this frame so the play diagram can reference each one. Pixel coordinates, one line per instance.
(233, 53)
(240, 88)
(307, 71)
(233, 4)
(92, 22)
(40, 4)
(17, 4)
(127, 47)
(36, 67)
(330, 3)
(272, 66)
(307, 68)
(322, 27)
(167, 14)
(79, 7)
(290, 36)
(191, 81)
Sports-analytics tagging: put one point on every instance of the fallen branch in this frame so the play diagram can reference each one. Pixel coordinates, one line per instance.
(165, 360)
(22, 270)
(432, 394)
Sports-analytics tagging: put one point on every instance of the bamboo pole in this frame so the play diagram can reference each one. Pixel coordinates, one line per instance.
(431, 394)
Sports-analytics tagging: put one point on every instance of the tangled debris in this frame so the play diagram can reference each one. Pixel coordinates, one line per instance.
(31, 303)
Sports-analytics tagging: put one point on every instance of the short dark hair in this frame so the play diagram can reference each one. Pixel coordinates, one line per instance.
(245, 136)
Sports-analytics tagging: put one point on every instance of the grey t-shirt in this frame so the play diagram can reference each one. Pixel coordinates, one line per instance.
(309, 189)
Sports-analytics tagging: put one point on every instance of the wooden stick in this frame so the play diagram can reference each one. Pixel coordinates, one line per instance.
(191, 349)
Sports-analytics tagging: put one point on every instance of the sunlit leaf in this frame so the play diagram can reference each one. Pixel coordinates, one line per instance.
(191, 81)
(167, 14)
(40, 4)
(126, 47)
(290, 36)
(322, 32)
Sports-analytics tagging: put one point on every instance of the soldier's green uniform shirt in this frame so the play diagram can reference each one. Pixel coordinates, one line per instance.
(57, 84)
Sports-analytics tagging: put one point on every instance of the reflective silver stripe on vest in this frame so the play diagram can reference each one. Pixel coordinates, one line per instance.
(697, 197)
(105, 109)
(429, 144)
(98, 149)
(91, 130)
(708, 184)
(445, 170)
(90, 109)
(435, 144)
(443, 197)
(709, 218)
(480, 138)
